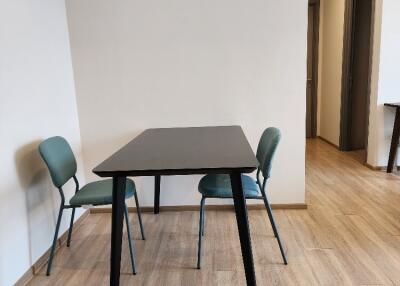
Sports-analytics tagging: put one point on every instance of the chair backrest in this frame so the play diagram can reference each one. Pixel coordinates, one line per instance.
(266, 149)
(59, 158)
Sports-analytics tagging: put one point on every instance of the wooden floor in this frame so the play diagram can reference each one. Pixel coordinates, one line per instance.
(350, 235)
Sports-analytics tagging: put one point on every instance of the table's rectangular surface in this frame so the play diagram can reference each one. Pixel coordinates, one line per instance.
(193, 150)
(392, 104)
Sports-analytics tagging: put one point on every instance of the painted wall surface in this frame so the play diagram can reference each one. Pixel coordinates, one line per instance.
(385, 80)
(144, 64)
(330, 69)
(37, 100)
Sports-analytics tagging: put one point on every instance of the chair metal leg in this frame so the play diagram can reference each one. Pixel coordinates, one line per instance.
(131, 246)
(139, 216)
(274, 227)
(204, 221)
(53, 247)
(71, 225)
(201, 231)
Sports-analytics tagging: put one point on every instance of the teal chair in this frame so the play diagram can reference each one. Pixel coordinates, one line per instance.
(219, 186)
(60, 160)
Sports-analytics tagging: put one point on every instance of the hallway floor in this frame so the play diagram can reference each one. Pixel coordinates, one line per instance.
(349, 235)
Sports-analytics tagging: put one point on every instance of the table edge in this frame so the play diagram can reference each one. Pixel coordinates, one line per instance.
(172, 172)
(394, 104)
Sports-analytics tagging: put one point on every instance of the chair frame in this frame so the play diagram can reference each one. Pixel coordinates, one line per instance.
(63, 206)
(267, 206)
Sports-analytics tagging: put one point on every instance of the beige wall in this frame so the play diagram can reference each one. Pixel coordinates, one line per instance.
(330, 69)
(144, 64)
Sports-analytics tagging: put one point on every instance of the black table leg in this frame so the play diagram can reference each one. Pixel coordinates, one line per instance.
(243, 226)
(157, 183)
(395, 141)
(116, 228)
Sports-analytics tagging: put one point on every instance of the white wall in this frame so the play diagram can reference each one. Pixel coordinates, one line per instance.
(330, 69)
(143, 64)
(385, 80)
(37, 100)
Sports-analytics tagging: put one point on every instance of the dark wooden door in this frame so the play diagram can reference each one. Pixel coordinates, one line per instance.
(312, 69)
(359, 74)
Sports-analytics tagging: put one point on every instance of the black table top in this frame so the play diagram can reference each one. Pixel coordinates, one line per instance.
(181, 151)
(393, 104)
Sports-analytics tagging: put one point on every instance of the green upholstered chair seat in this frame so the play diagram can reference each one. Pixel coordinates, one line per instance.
(219, 186)
(100, 193)
(60, 160)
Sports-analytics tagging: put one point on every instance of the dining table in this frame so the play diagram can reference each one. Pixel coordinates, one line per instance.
(161, 152)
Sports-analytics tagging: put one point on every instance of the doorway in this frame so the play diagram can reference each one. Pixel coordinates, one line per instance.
(357, 53)
(312, 68)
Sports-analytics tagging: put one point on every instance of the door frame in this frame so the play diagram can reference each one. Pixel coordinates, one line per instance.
(348, 38)
(315, 57)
